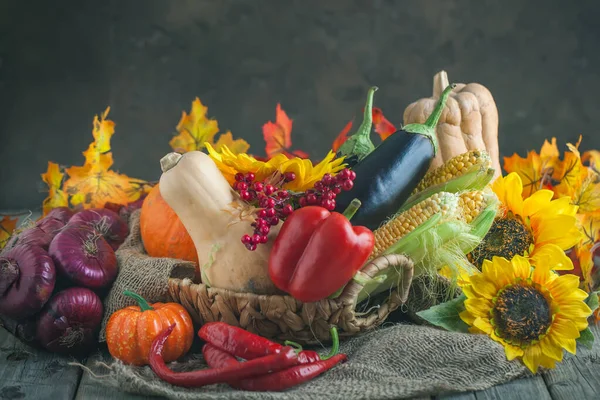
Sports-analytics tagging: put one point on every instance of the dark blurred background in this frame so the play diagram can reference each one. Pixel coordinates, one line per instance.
(63, 62)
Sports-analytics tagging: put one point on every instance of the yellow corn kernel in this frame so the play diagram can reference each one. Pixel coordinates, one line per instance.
(454, 167)
(402, 224)
(471, 204)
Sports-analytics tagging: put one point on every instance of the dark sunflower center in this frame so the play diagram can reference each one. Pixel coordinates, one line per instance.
(521, 314)
(506, 238)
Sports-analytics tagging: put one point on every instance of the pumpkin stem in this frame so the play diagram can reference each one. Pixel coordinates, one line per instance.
(359, 144)
(9, 273)
(428, 128)
(440, 81)
(144, 306)
(169, 161)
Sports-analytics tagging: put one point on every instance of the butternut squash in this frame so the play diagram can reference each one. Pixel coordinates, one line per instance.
(203, 200)
(469, 120)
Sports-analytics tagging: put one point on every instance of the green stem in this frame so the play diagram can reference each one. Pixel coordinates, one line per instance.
(144, 306)
(428, 128)
(335, 347)
(296, 346)
(359, 144)
(352, 209)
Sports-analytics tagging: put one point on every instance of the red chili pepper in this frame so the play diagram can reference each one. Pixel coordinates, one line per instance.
(276, 381)
(247, 345)
(260, 366)
(317, 252)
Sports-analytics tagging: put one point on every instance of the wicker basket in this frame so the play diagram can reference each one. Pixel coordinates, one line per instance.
(285, 318)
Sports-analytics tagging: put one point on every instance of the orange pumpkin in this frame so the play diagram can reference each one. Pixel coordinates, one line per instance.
(163, 234)
(131, 330)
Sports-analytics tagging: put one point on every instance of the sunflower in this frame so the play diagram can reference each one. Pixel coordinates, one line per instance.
(533, 312)
(538, 227)
(306, 173)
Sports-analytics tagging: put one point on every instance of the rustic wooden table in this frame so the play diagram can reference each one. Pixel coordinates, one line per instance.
(27, 373)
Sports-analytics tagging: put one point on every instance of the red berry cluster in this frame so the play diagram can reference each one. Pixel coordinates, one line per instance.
(324, 192)
(274, 205)
(277, 204)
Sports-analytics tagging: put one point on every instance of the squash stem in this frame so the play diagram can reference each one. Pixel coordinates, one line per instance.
(144, 306)
(169, 161)
(428, 128)
(352, 209)
(335, 348)
(360, 144)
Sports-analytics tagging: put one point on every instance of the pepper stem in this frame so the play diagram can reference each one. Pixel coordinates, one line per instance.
(428, 128)
(335, 347)
(144, 306)
(352, 209)
(360, 144)
(296, 346)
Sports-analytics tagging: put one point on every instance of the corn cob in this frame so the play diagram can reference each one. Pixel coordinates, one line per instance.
(455, 167)
(471, 204)
(406, 222)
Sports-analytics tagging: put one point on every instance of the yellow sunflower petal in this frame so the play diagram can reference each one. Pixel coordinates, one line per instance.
(521, 267)
(483, 324)
(512, 197)
(551, 255)
(561, 206)
(537, 201)
(467, 317)
(556, 230)
(551, 349)
(542, 274)
(512, 352)
(563, 330)
(478, 307)
(566, 287)
(500, 267)
(483, 286)
(532, 357)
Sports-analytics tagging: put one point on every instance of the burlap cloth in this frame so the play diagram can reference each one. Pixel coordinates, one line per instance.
(391, 362)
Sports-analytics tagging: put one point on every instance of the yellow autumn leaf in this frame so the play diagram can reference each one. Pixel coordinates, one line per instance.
(529, 170)
(236, 146)
(56, 196)
(195, 129)
(591, 158)
(7, 226)
(103, 130)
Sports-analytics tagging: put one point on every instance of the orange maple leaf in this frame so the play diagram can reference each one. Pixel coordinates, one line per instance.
(591, 159)
(342, 136)
(7, 226)
(278, 136)
(195, 129)
(56, 196)
(93, 184)
(383, 127)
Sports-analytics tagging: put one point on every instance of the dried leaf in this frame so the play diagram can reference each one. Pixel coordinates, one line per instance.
(342, 137)
(103, 131)
(383, 127)
(591, 159)
(56, 196)
(278, 136)
(237, 146)
(529, 169)
(194, 129)
(7, 226)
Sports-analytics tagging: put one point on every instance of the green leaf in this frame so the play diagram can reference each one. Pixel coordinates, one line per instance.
(592, 300)
(446, 315)
(586, 338)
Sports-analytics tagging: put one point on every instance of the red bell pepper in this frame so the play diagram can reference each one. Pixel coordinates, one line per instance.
(317, 252)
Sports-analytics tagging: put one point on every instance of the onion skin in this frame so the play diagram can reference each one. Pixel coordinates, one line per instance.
(62, 214)
(83, 256)
(41, 234)
(27, 278)
(104, 221)
(69, 322)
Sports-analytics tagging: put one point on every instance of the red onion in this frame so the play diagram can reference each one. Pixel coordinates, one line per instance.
(42, 233)
(82, 255)
(106, 222)
(62, 214)
(69, 323)
(27, 278)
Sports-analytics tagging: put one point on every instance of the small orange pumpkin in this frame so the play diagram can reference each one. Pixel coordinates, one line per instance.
(163, 234)
(131, 330)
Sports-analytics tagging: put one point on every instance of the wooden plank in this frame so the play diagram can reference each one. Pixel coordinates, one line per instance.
(91, 389)
(457, 396)
(519, 389)
(29, 373)
(577, 377)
